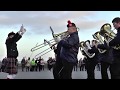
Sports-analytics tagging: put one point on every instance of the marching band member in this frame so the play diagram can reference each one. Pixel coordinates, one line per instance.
(115, 67)
(69, 51)
(105, 59)
(12, 52)
(58, 64)
(92, 62)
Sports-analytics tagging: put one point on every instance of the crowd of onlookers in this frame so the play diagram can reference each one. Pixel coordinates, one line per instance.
(82, 66)
(33, 64)
(39, 64)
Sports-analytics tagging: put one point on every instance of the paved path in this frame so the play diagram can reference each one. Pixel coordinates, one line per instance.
(46, 74)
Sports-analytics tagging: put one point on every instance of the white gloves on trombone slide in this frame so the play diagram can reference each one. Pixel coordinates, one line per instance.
(22, 30)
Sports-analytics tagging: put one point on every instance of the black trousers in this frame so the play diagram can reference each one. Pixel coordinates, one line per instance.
(90, 67)
(23, 67)
(75, 67)
(104, 68)
(115, 69)
(39, 67)
(57, 69)
(67, 70)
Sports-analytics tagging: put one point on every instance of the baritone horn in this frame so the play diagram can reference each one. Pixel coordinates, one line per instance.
(98, 37)
(85, 46)
(108, 34)
(106, 31)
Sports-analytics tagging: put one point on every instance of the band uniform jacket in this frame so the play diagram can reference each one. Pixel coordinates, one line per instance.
(107, 56)
(70, 48)
(116, 42)
(57, 51)
(94, 50)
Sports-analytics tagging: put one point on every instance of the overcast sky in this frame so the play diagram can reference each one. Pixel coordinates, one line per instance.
(37, 24)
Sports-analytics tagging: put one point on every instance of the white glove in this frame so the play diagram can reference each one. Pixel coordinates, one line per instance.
(22, 30)
(57, 39)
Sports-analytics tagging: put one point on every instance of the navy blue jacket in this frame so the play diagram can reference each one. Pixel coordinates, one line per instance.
(12, 51)
(70, 48)
(57, 51)
(115, 42)
(106, 56)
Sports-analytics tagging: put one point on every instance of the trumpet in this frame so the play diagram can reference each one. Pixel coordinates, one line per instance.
(98, 37)
(85, 46)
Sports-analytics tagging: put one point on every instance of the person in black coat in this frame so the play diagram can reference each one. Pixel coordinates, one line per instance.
(115, 67)
(12, 52)
(92, 62)
(57, 68)
(69, 50)
(105, 59)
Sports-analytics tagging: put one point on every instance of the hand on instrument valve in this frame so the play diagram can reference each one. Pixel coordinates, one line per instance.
(95, 43)
(107, 43)
(53, 47)
(107, 40)
(22, 30)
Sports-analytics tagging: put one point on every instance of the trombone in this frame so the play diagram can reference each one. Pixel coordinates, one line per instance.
(56, 39)
(51, 43)
(46, 50)
(41, 45)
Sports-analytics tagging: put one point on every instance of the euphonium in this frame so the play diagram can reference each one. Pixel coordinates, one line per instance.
(106, 30)
(98, 37)
(108, 34)
(85, 46)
